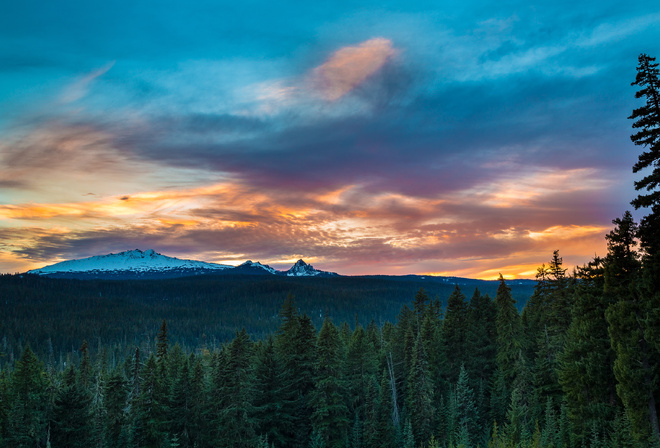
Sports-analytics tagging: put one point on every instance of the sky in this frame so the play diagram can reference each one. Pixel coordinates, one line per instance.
(465, 138)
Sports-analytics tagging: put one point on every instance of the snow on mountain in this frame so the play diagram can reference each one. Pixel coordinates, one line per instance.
(302, 269)
(150, 264)
(131, 260)
(252, 264)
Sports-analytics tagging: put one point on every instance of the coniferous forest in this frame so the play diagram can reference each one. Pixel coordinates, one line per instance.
(578, 367)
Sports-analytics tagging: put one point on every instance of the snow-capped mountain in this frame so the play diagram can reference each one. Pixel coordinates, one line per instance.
(251, 267)
(302, 269)
(150, 264)
(129, 263)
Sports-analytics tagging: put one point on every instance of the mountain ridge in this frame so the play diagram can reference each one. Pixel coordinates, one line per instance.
(151, 264)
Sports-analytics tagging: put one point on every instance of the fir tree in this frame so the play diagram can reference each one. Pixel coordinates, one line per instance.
(29, 402)
(419, 397)
(330, 414)
(235, 421)
(467, 412)
(385, 426)
(72, 412)
(586, 364)
(454, 333)
(361, 365)
(637, 357)
(146, 418)
(647, 120)
(116, 396)
(508, 327)
(180, 399)
(268, 394)
(161, 342)
(295, 348)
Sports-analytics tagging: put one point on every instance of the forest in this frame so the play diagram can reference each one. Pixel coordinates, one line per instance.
(577, 367)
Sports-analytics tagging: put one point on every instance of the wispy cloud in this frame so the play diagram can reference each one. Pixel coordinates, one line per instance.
(348, 67)
(80, 87)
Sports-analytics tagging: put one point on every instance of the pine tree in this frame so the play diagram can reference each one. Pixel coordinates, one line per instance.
(85, 377)
(481, 337)
(361, 365)
(621, 435)
(161, 344)
(180, 399)
(630, 330)
(419, 397)
(431, 338)
(408, 435)
(519, 422)
(508, 327)
(647, 120)
(447, 418)
(385, 426)
(586, 364)
(146, 417)
(330, 413)
(98, 408)
(550, 433)
(235, 422)
(268, 394)
(454, 333)
(467, 412)
(72, 412)
(198, 425)
(29, 402)
(295, 349)
(116, 396)
(370, 426)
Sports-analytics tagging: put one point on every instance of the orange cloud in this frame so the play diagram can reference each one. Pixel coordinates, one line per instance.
(348, 67)
(346, 229)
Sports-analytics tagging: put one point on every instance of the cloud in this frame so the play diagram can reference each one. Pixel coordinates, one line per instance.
(348, 67)
(350, 229)
(80, 88)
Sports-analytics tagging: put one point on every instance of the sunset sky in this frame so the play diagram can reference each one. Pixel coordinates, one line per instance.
(391, 137)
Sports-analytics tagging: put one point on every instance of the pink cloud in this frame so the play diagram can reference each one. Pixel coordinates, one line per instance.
(348, 67)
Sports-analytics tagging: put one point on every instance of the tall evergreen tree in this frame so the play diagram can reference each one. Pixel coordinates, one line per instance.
(647, 120)
(508, 327)
(236, 421)
(637, 358)
(147, 417)
(469, 433)
(180, 402)
(454, 333)
(361, 365)
(586, 365)
(481, 342)
(71, 422)
(29, 407)
(328, 399)
(385, 426)
(419, 397)
(116, 397)
(519, 421)
(295, 348)
(161, 342)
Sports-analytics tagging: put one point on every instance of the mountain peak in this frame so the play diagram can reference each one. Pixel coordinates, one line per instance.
(302, 269)
(131, 260)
